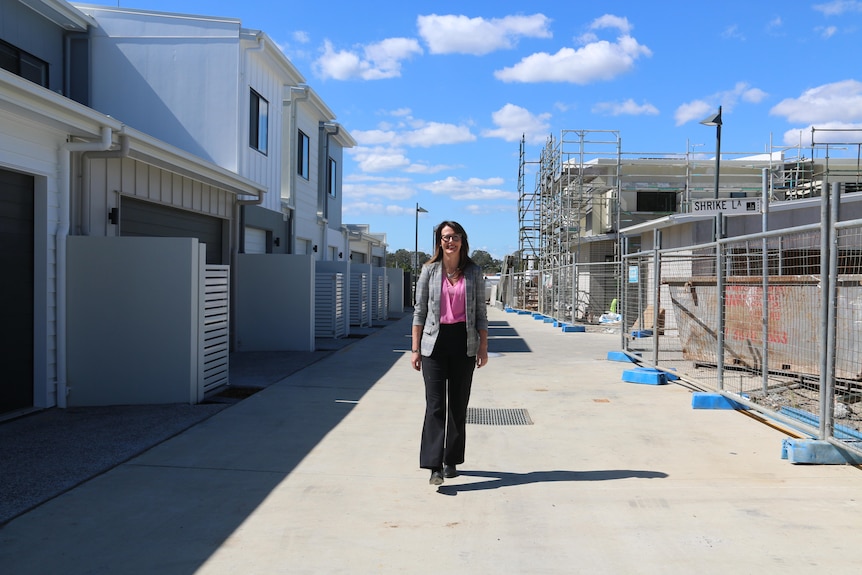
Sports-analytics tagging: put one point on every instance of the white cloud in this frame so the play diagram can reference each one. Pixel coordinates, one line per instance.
(514, 121)
(372, 62)
(611, 21)
(457, 34)
(728, 99)
(837, 7)
(694, 110)
(826, 31)
(374, 208)
(301, 37)
(595, 61)
(435, 134)
(424, 135)
(836, 102)
(753, 95)
(843, 133)
(388, 188)
(382, 149)
(732, 32)
(470, 189)
(423, 168)
(378, 159)
(627, 108)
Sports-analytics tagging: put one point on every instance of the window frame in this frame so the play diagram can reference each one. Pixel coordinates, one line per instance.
(332, 177)
(652, 201)
(258, 122)
(24, 60)
(303, 148)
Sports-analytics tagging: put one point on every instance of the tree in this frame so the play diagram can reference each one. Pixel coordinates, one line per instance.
(404, 259)
(484, 260)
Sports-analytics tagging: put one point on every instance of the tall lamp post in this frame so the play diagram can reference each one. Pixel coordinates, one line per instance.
(416, 249)
(715, 120)
(717, 234)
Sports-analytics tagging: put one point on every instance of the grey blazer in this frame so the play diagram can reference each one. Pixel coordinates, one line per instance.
(426, 310)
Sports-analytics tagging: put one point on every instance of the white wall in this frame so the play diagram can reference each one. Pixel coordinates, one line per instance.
(307, 225)
(150, 71)
(274, 302)
(259, 74)
(133, 320)
(396, 289)
(32, 148)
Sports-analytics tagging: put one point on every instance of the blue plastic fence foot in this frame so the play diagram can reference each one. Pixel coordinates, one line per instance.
(817, 451)
(574, 329)
(645, 375)
(706, 400)
(619, 356)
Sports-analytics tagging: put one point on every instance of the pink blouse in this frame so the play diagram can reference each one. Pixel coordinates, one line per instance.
(453, 301)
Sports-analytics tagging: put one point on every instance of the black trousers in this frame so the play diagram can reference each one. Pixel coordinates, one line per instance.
(448, 374)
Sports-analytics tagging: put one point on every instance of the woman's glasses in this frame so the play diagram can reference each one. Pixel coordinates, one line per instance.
(451, 238)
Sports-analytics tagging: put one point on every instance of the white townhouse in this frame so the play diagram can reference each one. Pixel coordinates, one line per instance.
(229, 95)
(95, 312)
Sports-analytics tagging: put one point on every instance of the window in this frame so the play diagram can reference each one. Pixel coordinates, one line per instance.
(332, 177)
(258, 119)
(302, 155)
(23, 64)
(656, 202)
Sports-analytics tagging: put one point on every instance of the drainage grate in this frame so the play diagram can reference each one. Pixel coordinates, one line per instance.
(486, 416)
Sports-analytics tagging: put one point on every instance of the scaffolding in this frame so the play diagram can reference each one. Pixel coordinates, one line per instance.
(587, 191)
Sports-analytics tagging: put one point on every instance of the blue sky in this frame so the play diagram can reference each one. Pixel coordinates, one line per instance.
(438, 94)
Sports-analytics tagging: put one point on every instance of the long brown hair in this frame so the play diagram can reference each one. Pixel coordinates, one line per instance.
(464, 253)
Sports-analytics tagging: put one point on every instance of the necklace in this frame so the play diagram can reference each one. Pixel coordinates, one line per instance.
(452, 275)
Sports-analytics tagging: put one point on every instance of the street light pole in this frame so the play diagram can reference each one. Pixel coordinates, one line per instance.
(416, 250)
(715, 120)
(718, 233)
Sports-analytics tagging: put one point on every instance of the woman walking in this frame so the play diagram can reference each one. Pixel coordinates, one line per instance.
(450, 339)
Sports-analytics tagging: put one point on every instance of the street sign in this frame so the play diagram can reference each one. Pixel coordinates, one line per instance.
(726, 206)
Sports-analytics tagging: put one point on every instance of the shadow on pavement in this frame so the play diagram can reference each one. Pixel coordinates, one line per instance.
(503, 479)
(502, 338)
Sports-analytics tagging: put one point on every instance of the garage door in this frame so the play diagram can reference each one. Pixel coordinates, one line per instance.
(146, 219)
(16, 290)
(255, 241)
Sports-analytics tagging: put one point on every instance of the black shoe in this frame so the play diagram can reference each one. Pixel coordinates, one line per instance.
(450, 471)
(436, 477)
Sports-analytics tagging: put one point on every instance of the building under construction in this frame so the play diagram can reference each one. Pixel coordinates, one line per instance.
(590, 199)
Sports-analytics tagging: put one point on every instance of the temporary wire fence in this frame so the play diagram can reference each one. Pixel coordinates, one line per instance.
(576, 293)
(772, 320)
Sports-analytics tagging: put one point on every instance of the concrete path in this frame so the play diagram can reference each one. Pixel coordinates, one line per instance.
(318, 473)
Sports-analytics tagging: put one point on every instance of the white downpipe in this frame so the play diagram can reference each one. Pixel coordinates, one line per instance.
(122, 152)
(296, 94)
(330, 129)
(65, 185)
